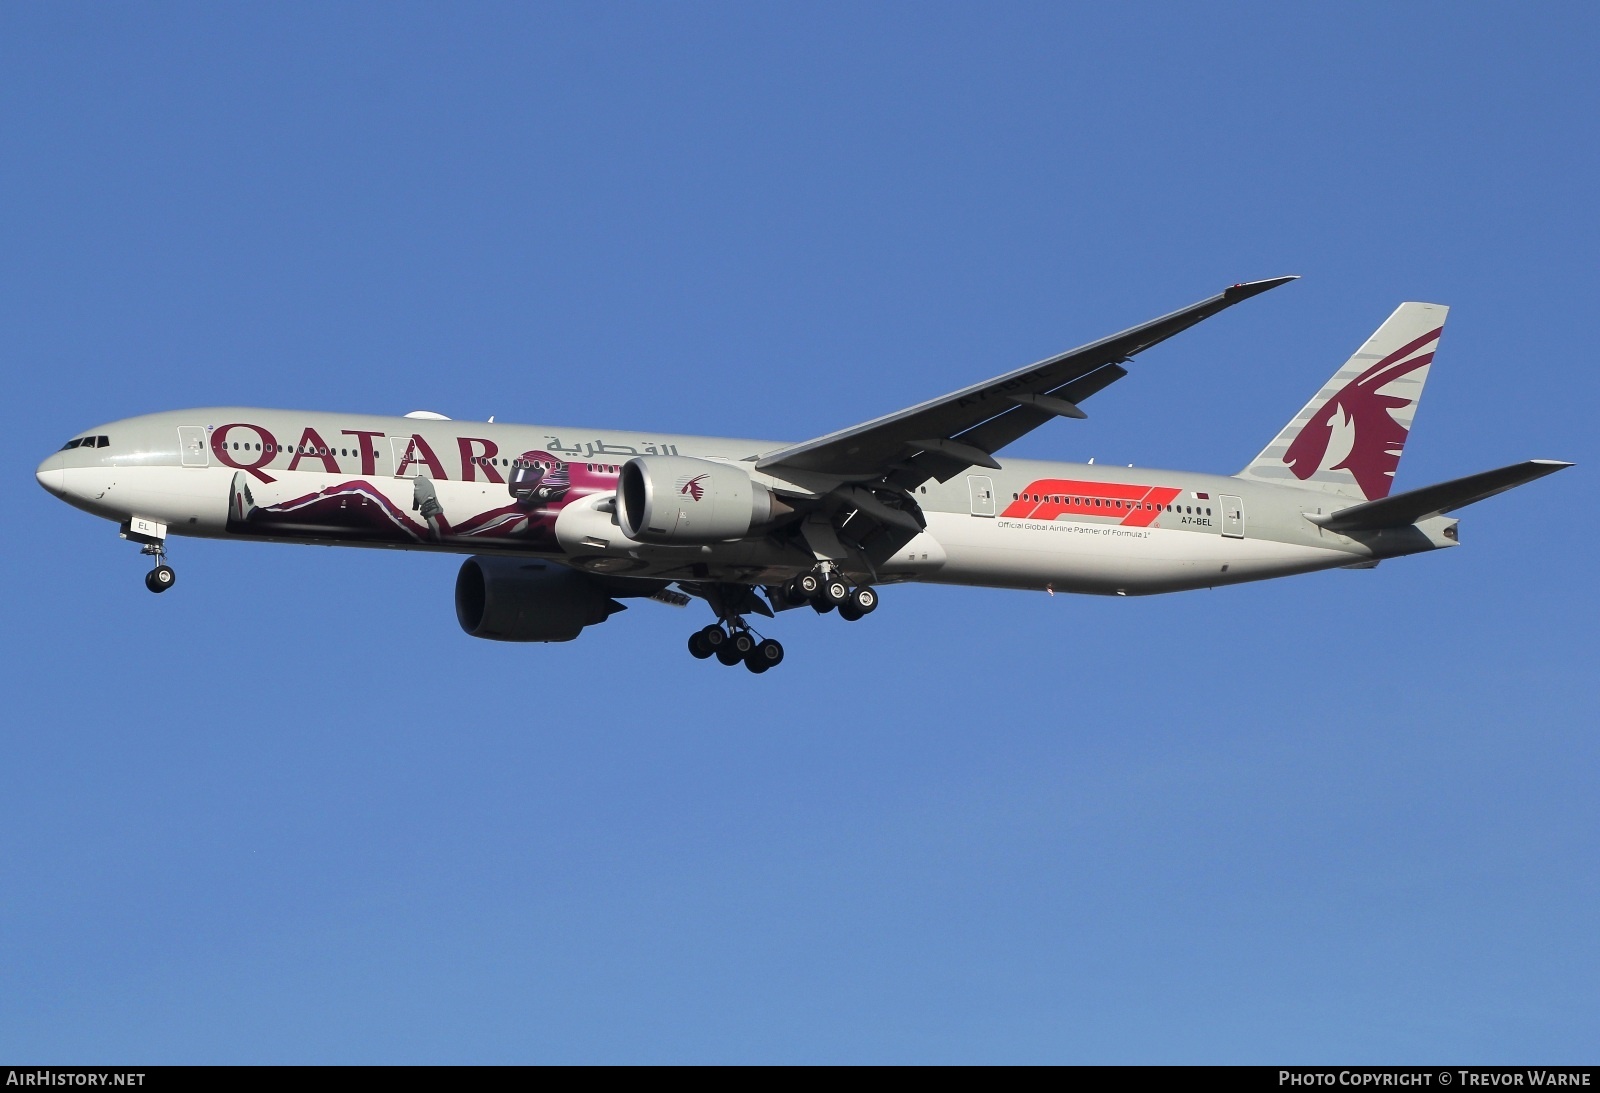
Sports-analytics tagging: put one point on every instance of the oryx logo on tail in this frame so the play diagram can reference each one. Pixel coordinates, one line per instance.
(1349, 438)
(1364, 418)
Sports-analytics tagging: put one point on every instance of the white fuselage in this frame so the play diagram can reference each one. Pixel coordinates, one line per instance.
(493, 489)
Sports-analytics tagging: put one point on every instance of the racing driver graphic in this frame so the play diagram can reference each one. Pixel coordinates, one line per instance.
(539, 484)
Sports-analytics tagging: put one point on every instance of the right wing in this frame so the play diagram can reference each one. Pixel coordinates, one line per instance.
(944, 436)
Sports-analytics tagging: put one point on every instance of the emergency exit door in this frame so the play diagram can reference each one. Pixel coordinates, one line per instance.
(981, 486)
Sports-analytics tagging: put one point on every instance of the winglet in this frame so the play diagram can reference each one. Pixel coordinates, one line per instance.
(1255, 288)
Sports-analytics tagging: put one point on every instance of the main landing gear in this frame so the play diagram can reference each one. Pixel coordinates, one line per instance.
(731, 640)
(735, 643)
(827, 591)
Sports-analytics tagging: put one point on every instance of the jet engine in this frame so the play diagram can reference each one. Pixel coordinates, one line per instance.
(678, 499)
(510, 599)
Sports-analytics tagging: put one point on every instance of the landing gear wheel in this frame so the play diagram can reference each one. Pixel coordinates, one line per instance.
(728, 655)
(822, 607)
(769, 654)
(715, 637)
(834, 591)
(743, 643)
(864, 600)
(796, 591)
(699, 648)
(160, 578)
(849, 612)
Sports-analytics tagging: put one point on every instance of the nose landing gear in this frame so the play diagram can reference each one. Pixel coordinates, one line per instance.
(161, 577)
(151, 535)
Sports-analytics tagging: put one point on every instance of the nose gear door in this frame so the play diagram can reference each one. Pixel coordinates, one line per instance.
(981, 487)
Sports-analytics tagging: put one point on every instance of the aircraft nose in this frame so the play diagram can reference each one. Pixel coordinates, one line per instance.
(52, 475)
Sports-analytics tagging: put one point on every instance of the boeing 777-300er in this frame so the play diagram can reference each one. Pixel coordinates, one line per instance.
(562, 523)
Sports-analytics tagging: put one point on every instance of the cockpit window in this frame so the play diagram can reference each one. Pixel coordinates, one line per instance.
(69, 445)
(102, 442)
(86, 442)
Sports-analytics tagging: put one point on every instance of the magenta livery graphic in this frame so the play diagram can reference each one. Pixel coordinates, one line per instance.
(1371, 415)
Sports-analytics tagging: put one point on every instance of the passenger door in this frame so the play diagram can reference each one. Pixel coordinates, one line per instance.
(404, 449)
(1232, 516)
(192, 448)
(981, 487)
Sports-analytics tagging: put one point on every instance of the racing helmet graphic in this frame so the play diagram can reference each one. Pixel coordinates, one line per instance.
(538, 478)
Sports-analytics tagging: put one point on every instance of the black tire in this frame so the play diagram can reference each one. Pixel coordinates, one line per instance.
(755, 666)
(715, 636)
(835, 591)
(822, 607)
(769, 654)
(794, 594)
(699, 648)
(864, 600)
(727, 654)
(160, 578)
(808, 585)
(743, 643)
(849, 612)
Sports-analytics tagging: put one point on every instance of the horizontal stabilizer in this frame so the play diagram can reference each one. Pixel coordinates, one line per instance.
(1404, 509)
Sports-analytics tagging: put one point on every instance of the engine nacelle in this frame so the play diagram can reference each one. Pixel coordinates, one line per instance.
(678, 499)
(510, 599)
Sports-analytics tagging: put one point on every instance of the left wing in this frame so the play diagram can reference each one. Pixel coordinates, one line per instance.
(943, 437)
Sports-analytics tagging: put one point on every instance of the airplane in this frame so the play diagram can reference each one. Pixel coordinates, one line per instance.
(563, 523)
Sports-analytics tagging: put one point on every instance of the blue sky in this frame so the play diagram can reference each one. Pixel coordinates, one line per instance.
(289, 812)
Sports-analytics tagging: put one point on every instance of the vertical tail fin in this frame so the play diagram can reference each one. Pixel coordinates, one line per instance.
(1348, 439)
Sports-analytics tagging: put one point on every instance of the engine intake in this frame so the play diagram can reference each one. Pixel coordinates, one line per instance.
(509, 599)
(679, 499)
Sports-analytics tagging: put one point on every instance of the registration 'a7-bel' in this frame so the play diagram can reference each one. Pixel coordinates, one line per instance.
(563, 523)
